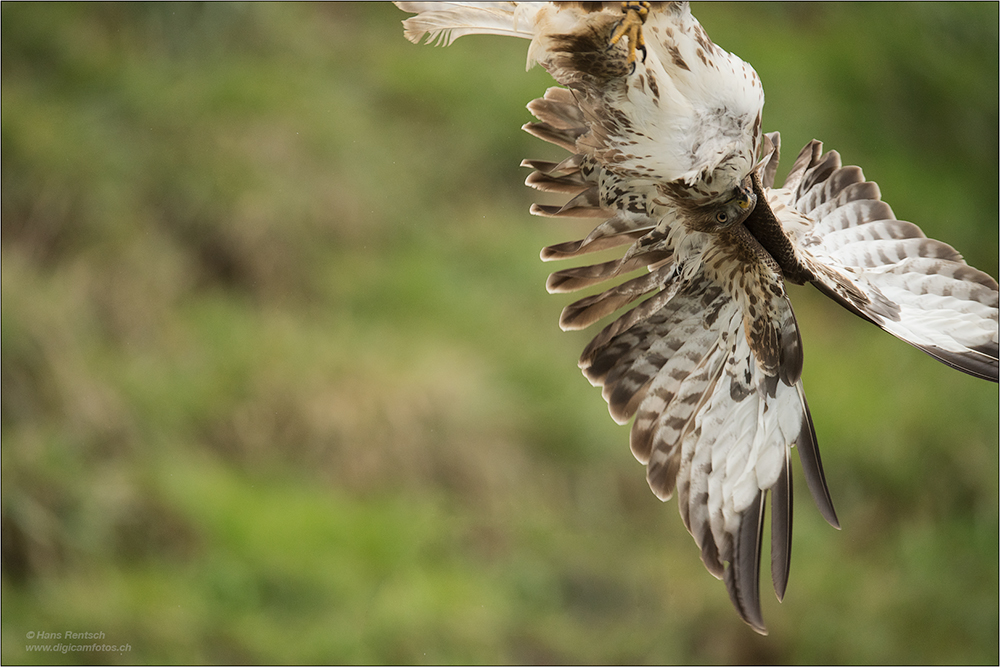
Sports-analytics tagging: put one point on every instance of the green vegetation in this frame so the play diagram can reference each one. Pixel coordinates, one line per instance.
(281, 383)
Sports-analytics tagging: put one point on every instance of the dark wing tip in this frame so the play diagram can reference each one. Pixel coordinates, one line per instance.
(781, 530)
(743, 574)
(812, 466)
(979, 362)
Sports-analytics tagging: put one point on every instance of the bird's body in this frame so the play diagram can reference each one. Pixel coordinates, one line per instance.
(668, 151)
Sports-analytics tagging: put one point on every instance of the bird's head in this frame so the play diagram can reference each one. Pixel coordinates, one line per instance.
(724, 212)
(736, 208)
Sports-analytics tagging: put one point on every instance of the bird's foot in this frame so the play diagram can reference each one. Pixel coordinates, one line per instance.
(631, 26)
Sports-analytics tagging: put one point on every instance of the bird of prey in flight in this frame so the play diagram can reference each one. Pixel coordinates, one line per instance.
(666, 152)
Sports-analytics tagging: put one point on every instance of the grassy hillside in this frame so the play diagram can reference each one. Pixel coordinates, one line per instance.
(281, 382)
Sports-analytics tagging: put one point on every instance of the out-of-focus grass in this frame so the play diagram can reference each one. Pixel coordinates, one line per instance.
(281, 382)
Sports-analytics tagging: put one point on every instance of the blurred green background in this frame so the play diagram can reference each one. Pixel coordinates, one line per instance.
(281, 382)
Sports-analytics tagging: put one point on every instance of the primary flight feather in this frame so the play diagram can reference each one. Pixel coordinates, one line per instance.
(663, 130)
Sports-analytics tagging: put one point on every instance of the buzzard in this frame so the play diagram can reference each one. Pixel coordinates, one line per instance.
(666, 152)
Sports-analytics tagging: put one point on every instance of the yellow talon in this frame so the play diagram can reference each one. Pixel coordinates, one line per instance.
(631, 26)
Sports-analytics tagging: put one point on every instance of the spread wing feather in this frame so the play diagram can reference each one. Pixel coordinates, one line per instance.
(714, 419)
(781, 529)
(707, 361)
(885, 270)
(444, 22)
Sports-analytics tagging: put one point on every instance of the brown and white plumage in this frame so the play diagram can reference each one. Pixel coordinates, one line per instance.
(670, 158)
(918, 289)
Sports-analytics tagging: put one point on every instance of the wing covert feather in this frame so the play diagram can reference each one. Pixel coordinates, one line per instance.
(707, 361)
(886, 270)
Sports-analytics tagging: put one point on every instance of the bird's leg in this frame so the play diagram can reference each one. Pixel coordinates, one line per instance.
(631, 26)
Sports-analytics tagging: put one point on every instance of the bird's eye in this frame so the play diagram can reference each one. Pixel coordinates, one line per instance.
(722, 217)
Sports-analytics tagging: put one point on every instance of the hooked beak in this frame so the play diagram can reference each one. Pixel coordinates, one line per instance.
(747, 198)
(745, 201)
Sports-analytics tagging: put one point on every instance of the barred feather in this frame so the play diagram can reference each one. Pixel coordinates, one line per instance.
(708, 361)
(886, 271)
(444, 22)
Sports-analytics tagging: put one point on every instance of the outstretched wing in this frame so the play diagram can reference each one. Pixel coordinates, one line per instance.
(707, 427)
(885, 270)
(708, 359)
(709, 423)
(709, 364)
